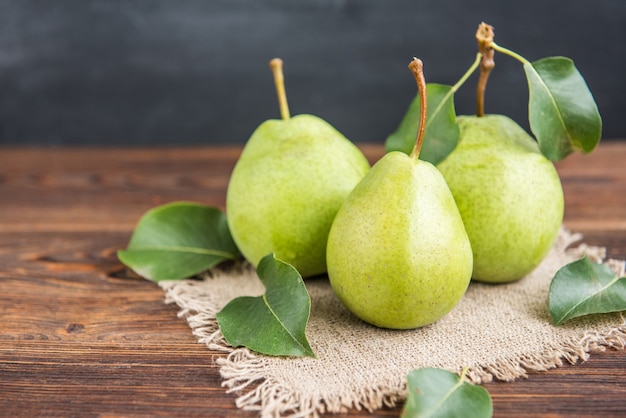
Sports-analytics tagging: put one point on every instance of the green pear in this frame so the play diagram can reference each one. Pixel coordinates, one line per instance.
(287, 186)
(508, 193)
(398, 254)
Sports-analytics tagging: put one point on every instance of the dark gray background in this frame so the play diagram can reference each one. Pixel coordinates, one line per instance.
(195, 72)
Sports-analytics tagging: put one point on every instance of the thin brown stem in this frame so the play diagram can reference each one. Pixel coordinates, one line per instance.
(279, 81)
(417, 68)
(484, 36)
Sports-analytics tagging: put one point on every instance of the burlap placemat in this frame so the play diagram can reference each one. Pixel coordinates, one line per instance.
(498, 331)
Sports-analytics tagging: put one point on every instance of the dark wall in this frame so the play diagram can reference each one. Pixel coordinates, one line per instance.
(195, 72)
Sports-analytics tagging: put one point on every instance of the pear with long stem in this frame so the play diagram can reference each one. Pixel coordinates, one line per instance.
(509, 194)
(398, 254)
(288, 184)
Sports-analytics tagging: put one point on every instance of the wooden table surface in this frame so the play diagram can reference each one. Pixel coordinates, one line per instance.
(80, 336)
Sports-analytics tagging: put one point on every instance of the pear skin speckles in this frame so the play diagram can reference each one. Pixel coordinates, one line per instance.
(398, 255)
(509, 195)
(287, 186)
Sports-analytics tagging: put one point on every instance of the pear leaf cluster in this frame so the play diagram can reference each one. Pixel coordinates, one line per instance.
(435, 392)
(274, 323)
(442, 132)
(179, 240)
(582, 288)
(563, 115)
(182, 239)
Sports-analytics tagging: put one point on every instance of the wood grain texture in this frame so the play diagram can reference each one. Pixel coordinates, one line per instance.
(81, 336)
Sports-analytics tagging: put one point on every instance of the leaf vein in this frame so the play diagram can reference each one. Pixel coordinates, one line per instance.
(184, 249)
(553, 101)
(599, 293)
(445, 397)
(294, 338)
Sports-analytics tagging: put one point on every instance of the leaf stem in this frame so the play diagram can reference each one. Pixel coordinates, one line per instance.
(463, 373)
(458, 84)
(484, 36)
(509, 53)
(417, 68)
(467, 74)
(276, 65)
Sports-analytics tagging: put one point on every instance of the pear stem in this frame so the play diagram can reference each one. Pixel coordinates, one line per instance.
(417, 68)
(276, 65)
(484, 36)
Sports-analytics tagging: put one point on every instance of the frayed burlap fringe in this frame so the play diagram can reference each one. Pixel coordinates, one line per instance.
(497, 331)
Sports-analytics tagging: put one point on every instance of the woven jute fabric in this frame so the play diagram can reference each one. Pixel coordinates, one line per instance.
(497, 331)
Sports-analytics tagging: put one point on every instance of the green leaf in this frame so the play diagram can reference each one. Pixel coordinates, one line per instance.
(178, 240)
(442, 133)
(440, 393)
(582, 288)
(562, 112)
(274, 323)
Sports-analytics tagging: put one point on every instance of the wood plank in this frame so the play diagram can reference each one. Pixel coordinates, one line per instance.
(81, 336)
(595, 188)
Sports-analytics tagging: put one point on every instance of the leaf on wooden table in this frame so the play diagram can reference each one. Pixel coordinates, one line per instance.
(562, 112)
(178, 240)
(435, 392)
(442, 133)
(274, 323)
(584, 287)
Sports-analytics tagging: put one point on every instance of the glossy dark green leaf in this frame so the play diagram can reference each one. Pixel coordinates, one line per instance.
(562, 112)
(274, 323)
(584, 287)
(179, 240)
(442, 133)
(439, 393)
